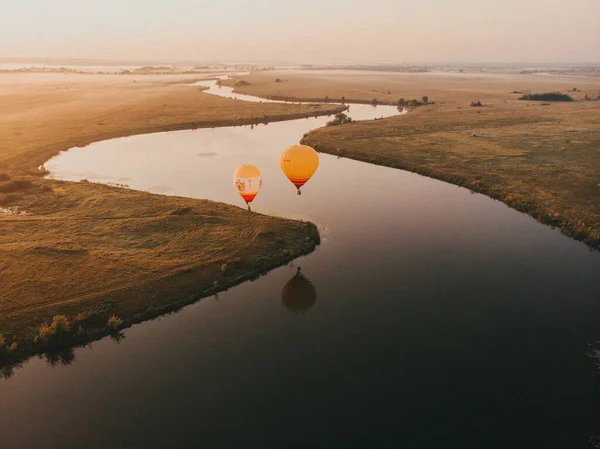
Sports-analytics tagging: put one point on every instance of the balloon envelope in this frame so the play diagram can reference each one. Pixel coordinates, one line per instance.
(248, 181)
(299, 163)
(299, 294)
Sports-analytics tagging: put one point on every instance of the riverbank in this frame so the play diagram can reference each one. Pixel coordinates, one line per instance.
(543, 161)
(90, 251)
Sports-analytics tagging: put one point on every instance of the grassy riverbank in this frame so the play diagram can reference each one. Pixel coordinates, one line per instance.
(91, 251)
(544, 161)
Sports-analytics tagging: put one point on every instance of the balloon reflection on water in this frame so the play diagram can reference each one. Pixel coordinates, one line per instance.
(299, 294)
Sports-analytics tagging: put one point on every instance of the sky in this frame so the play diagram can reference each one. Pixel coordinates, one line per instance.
(303, 31)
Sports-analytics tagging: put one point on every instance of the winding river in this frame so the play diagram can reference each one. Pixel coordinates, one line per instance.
(429, 317)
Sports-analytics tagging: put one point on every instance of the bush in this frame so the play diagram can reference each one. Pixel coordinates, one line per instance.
(59, 327)
(340, 119)
(476, 104)
(59, 191)
(241, 83)
(278, 80)
(15, 185)
(401, 102)
(547, 96)
(425, 99)
(6, 349)
(114, 322)
(374, 101)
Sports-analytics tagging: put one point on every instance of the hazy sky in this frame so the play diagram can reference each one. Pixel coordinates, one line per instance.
(304, 30)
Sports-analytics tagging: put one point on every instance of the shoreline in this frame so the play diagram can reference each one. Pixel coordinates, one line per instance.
(82, 141)
(95, 331)
(573, 227)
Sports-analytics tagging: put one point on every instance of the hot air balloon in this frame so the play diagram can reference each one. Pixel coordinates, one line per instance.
(248, 181)
(299, 163)
(299, 294)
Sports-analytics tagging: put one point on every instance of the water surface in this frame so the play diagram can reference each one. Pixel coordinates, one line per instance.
(436, 318)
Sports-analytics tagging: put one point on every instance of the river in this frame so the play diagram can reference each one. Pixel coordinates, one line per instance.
(429, 317)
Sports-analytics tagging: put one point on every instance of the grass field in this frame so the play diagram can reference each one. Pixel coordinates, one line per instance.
(452, 89)
(88, 250)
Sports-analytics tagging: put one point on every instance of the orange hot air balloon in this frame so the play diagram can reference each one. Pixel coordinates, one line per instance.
(299, 163)
(248, 181)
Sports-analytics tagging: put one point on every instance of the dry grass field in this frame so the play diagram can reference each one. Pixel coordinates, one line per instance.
(456, 89)
(88, 250)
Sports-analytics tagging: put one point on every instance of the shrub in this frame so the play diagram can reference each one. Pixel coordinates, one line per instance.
(59, 327)
(374, 101)
(114, 322)
(340, 119)
(476, 104)
(59, 191)
(401, 102)
(278, 80)
(241, 83)
(425, 99)
(6, 349)
(547, 96)
(15, 185)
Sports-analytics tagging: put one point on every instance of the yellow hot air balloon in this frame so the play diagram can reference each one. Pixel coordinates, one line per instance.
(299, 163)
(248, 181)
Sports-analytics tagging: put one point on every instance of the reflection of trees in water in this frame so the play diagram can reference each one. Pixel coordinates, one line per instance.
(6, 372)
(64, 357)
(117, 337)
(299, 294)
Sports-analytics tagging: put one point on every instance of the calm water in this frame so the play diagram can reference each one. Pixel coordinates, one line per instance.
(441, 319)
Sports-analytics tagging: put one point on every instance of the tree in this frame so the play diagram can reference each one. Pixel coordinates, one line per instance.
(340, 119)
(401, 102)
(425, 99)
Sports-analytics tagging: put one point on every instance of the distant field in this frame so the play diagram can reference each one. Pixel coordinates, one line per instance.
(458, 89)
